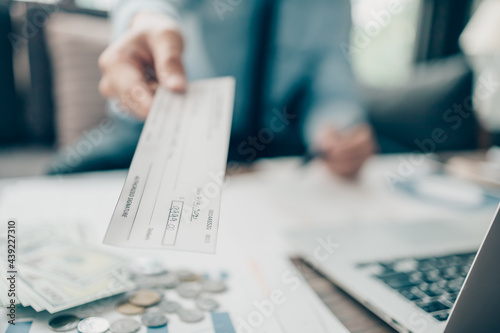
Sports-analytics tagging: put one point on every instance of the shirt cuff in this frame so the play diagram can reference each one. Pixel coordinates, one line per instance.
(341, 115)
(126, 10)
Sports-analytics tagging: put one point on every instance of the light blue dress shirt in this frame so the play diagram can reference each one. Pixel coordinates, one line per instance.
(307, 71)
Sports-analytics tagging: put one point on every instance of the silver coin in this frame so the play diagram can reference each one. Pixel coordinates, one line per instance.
(214, 286)
(125, 325)
(154, 309)
(141, 281)
(190, 316)
(154, 319)
(93, 325)
(63, 323)
(169, 306)
(207, 304)
(150, 282)
(189, 289)
(169, 281)
(188, 276)
(165, 281)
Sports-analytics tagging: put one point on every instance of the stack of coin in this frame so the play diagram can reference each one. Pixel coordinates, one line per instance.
(152, 302)
(186, 284)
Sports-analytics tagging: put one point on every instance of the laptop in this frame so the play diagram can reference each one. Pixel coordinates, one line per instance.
(426, 277)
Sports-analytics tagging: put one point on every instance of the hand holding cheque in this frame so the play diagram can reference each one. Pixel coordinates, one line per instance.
(171, 197)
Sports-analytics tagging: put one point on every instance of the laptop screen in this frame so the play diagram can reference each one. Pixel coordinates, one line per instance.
(478, 306)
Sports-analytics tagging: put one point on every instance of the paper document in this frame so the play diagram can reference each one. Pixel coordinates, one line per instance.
(171, 197)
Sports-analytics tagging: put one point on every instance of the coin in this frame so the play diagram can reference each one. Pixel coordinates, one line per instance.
(87, 310)
(169, 306)
(214, 286)
(188, 276)
(141, 281)
(154, 319)
(145, 297)
(207, 304)
(93, 325)
(189, 289)
(190, 316)
(129, 309)
(150, 282)
(167, 281)
(63, 323)
(125, 325)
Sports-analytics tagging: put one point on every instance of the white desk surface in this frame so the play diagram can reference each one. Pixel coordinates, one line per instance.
(280, 194)
(256, 207)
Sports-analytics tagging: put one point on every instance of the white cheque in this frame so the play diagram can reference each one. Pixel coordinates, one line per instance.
(171, 197)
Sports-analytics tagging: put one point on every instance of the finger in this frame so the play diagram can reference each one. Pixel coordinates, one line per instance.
(347, 162)
(354, 145)
(342, 153)
(355, 138)
(167, 49)
(328, 140)
(360, 152)
(347, 165)
(132, 90)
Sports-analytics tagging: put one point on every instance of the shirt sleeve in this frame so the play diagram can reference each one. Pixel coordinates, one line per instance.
(125, 10)
(332, 97)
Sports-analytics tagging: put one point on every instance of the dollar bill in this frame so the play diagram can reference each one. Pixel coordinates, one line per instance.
(56, 296)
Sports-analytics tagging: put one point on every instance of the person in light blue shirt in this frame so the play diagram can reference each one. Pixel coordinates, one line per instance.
(295, 91)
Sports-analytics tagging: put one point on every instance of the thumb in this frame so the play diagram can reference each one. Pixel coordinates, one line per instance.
(167, 49)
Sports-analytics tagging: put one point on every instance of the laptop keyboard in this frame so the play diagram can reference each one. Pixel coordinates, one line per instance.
(431, 283)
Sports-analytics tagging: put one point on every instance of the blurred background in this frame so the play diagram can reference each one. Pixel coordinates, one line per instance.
(410, 64)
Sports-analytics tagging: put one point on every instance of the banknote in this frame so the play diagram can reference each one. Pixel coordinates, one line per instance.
(171, 197)
(55, 297)
(53, 275)
(69, 263)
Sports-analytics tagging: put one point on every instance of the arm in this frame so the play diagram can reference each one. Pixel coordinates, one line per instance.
(146, 52)
(125, 10)
(335, 124)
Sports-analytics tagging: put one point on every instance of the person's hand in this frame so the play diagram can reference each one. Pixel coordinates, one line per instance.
(149, 54)
(344, 152)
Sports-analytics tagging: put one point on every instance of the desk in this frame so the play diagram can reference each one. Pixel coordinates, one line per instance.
(257, 206)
